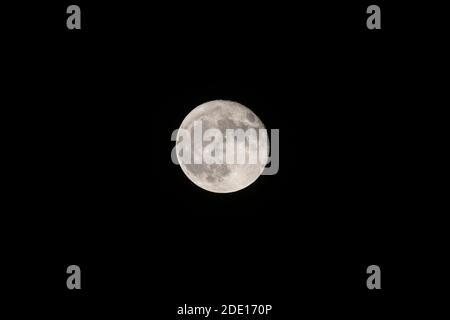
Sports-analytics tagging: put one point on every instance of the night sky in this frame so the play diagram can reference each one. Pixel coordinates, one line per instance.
(98, 188)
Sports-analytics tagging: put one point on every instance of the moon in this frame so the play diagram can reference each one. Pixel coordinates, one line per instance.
(223, 177)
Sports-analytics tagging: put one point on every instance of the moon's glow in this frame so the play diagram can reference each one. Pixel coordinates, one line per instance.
(225, 177)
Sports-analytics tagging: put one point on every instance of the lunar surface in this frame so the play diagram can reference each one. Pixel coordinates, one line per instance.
(222, 177)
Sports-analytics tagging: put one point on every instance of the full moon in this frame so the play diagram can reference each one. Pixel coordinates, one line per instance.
(223, 116)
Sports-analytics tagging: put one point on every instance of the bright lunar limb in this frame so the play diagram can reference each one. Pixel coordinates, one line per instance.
(223, 177)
